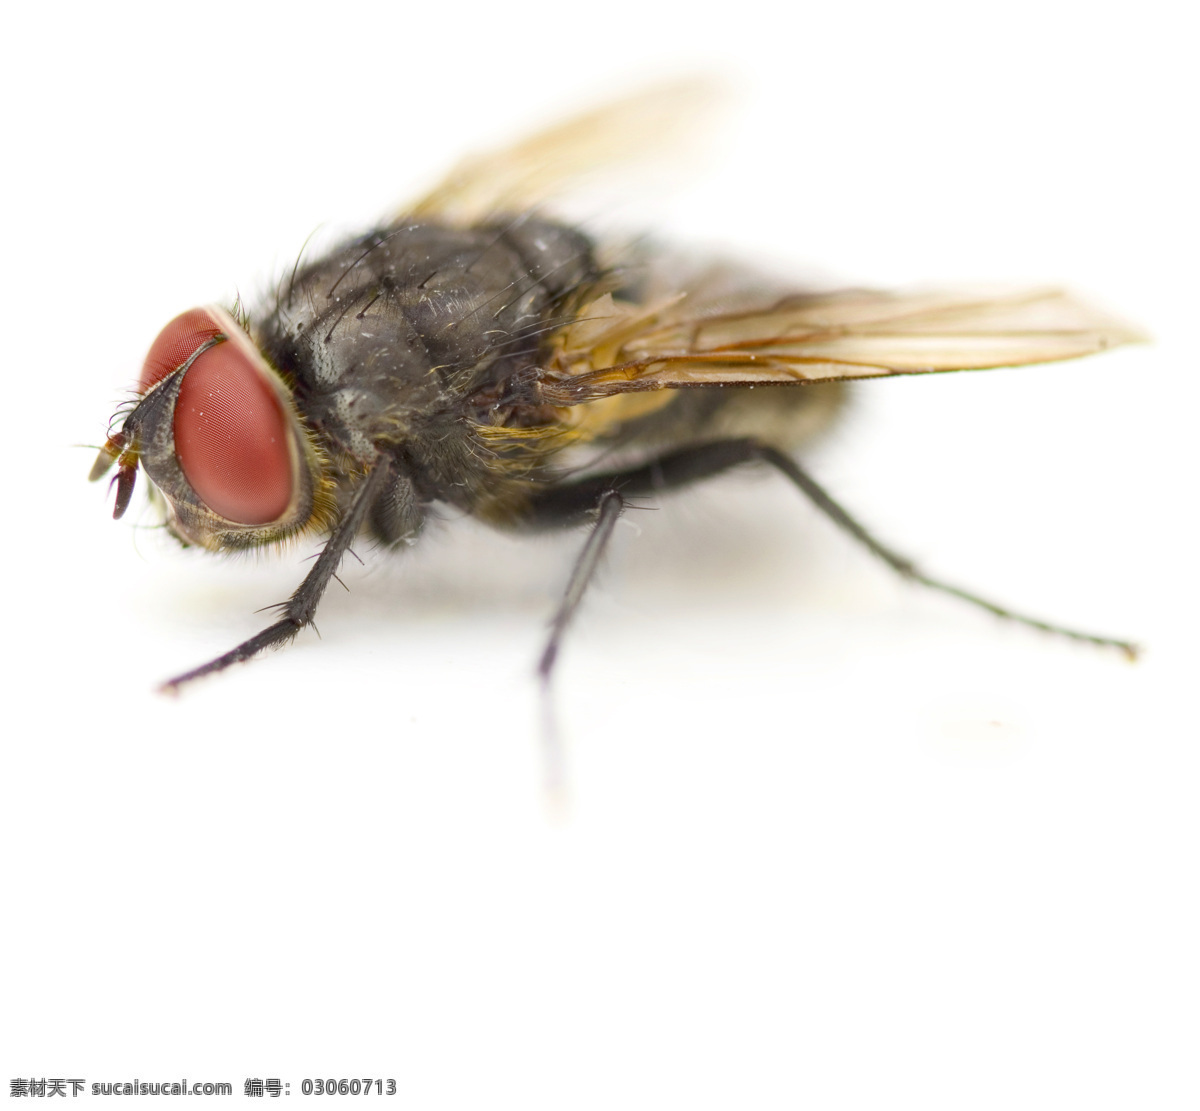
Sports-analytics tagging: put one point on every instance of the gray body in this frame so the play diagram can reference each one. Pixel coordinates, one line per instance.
(406, 340)
(410, 340)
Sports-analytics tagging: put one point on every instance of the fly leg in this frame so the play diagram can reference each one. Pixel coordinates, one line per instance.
(302, 606)
(609, 509)
(603, 497)
(803, 481)
(607, 505)
(565, 504)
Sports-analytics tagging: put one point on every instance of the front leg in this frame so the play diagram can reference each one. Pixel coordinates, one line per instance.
(300, 609)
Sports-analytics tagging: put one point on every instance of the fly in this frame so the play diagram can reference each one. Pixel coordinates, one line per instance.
(475, 353)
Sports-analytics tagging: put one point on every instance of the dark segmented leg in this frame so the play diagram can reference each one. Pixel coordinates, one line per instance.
(609, 509)
(905, 568)
(569, 502)
(302, 606)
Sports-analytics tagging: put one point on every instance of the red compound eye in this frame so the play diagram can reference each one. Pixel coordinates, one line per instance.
(231, 433)
(177, 343)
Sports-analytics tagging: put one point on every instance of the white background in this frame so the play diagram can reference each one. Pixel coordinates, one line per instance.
(829, 841)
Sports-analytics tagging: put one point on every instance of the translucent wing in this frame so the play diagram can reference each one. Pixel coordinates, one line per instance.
(615, 348)
(517, 178)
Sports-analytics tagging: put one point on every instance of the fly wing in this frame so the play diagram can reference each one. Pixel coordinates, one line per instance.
(518, 178)
(615, 349)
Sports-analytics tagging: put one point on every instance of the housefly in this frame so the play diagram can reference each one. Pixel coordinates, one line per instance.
(475, 353)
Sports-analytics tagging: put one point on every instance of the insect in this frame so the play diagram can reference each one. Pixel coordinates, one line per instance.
(475, 353)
